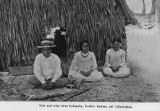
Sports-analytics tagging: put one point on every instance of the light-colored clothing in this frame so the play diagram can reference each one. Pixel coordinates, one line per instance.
(60, 82)
(85, 64)
(45, 68)
(123, 72)
(116, 58)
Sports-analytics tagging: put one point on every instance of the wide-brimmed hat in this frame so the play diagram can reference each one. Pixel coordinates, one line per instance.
(46, 43)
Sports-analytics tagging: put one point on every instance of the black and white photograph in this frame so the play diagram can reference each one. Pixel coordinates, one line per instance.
(80, 54)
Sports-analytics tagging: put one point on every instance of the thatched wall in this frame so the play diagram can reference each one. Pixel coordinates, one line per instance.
(22, 23)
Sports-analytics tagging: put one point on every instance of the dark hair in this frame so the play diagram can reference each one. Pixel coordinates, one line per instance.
(82, 42)
(116, 39)
(57, 32)
(63, 29)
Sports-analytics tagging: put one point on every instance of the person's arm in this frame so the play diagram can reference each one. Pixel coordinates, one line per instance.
(74, 64)
(94, 66)
(94, 62)
(37, 70)
(58, 70)
(107, 64)
(86, 74)
(123, 59)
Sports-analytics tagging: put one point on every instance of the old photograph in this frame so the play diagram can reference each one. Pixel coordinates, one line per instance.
(80, 51)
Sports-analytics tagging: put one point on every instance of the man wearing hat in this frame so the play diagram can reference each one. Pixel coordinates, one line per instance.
(47, 69)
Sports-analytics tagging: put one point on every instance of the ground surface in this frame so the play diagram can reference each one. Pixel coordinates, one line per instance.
(144, 58)
(141, 86)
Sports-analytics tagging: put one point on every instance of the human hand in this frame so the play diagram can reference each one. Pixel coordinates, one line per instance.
(45, 86)
(48, 85)
(117, 68)
(84, 73)
(89, 72)
(51, 85)
(113, 68)
(99, 68)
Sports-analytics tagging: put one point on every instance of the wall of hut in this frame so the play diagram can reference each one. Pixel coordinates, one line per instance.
(22, 23)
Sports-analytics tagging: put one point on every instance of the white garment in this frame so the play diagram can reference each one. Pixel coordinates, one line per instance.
(116, 58)
(85, 64)
(45, 68)
(123, 72)
(94, 76)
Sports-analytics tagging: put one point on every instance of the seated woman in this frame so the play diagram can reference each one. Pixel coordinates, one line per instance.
(115, 63)
(83, 66)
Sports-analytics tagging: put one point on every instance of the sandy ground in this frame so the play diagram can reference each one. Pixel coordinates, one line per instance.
(144, 49)
(142, 85)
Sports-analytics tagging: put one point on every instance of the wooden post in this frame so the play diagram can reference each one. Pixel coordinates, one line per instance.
(153, 7)
(144, 7)
(157, 17)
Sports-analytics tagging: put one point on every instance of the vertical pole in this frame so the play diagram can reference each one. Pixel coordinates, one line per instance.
(157, 17)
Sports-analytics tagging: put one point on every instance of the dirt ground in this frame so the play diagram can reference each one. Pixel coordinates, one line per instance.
(144, 61)
(141, 86)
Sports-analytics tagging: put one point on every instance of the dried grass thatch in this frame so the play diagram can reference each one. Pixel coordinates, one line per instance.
(22, 23)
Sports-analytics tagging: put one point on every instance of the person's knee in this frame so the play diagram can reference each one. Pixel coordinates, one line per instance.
(104, 71)
(98, 76)
(126, 71)
(107, 71)
(34, 80)
(31, 79)
(124, 74)
(61, 82)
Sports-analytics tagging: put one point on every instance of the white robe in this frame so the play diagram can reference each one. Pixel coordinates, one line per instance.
(85, 64)
(116, 58)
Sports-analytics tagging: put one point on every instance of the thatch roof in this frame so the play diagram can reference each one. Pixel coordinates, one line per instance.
(22, 23)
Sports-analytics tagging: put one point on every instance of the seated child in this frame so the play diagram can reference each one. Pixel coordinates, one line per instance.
(115, 63)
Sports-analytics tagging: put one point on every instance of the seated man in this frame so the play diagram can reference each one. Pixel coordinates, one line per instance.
(47, 69)
(115, 63)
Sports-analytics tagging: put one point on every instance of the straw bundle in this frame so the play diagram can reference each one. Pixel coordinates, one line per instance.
(22, 23)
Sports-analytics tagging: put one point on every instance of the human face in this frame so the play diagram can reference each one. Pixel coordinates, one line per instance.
(46, 52)
(116, 46)
(85, 48)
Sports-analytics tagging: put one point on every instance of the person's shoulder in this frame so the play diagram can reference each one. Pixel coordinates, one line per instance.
(109, 50)
(39, 55)
(121, 50)
(54, 56)
(78, 53)
(91, 53)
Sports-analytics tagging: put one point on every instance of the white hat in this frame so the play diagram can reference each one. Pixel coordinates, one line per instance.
(50, 36)
(46, 43)
(54, 29)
